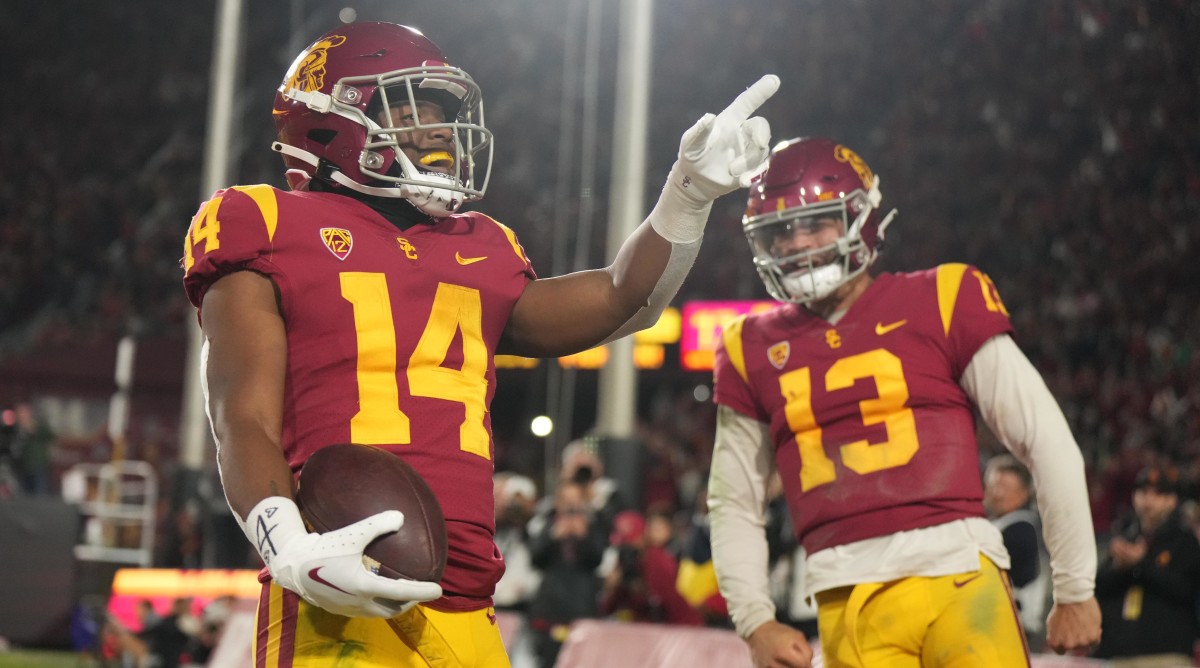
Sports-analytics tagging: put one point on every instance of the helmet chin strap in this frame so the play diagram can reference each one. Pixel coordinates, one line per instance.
(427, 197)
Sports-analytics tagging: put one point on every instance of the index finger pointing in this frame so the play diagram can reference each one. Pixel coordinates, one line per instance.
(752, 98)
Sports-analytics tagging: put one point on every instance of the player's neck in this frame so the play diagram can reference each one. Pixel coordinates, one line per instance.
(835, 305)
(397, 210)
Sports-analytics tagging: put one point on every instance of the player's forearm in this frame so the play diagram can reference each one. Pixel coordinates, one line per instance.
(568, 314)
(247, 428)
(646, 274)
(736, 501)
(245, 360)
(740, 560)
(1015, 402)
(252, 468)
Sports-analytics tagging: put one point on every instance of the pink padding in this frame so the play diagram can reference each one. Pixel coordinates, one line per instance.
(601, 644)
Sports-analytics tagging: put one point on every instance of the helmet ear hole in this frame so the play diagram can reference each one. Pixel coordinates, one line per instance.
(322, 136)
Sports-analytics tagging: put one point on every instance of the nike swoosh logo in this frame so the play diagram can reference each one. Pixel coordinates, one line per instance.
(959, 584)
(315, 576)
(468, 260)
(882, 329)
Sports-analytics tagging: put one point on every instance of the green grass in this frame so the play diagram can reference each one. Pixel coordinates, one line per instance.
(39, 659)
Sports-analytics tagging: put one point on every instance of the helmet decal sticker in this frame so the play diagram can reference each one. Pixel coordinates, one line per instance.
(860, 167)
(309, 72)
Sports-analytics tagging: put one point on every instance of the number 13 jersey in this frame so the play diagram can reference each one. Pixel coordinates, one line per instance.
(390, 336)
(871, 431)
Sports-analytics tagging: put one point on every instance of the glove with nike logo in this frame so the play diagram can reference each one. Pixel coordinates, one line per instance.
(717, 155)
(327, 569)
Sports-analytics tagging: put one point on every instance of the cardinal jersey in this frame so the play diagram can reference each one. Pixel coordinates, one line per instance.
(390, 337)
(872, 432)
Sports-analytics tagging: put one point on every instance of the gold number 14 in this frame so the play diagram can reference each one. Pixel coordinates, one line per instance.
(456, 310)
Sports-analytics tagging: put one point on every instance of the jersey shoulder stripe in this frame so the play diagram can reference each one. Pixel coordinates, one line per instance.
(949, 280)
(732, 338)
(264, 198)
(510, 235)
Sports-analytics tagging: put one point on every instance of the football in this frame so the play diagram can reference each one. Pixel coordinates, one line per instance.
(341, 484)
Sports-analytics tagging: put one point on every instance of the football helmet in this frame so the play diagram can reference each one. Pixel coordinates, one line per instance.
(809, 183)
(333, 115)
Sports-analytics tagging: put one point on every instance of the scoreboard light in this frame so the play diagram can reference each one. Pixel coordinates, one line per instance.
(516, 362)
(648, 355)
(703, 323)
(162, 586)
(664, 331)
(648, 352)
(593, 358)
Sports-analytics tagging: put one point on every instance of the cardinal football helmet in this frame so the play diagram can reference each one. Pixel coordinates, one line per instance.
(808, 180)
(332, 114)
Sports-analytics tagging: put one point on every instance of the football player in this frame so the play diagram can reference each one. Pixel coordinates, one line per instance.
(363, 305)
(859, 390)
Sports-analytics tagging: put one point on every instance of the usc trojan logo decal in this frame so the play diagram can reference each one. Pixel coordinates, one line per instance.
(843, 154)
(308, 72)
(338, 241)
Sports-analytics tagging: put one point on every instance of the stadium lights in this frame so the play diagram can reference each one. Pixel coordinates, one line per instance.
(541, 426)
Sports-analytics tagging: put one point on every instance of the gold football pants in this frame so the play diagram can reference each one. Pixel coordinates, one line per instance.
(952, 621)
(291, 633)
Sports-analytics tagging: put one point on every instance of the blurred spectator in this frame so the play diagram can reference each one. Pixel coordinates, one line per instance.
(697, 581)
(515, 497)
(1008, 500)
(171, 638)
(147, 615)
(212, 623)
(10, 479)
(1150, 580)
(30, 441)
(567, 550)
(87, 621)
(641, 586)
(624, 595)
(581, 465)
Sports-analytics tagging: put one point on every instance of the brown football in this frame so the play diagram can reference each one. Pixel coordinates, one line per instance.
(341, 484)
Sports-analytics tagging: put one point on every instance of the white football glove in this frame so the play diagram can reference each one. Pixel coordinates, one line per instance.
(717, 155)
(327, 569)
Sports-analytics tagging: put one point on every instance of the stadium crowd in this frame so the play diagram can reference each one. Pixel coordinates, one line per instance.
(1054, 144)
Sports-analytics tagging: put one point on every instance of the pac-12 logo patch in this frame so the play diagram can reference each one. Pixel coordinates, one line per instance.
(778, 354)
(338, 241)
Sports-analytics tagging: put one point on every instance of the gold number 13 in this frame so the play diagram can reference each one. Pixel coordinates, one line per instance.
(888, 408)
(456, 310)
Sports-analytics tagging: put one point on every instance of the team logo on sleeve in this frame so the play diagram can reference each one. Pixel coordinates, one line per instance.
(778, 354)
(338, 241)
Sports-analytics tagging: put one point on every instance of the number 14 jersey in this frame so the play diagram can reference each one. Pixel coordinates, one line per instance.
(390, 336)
(871, 431)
